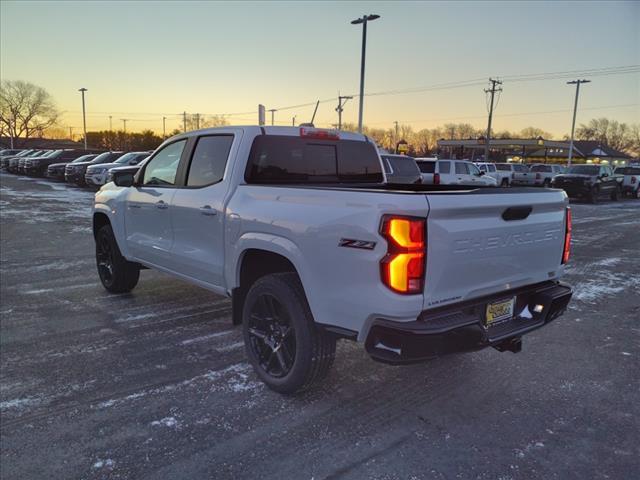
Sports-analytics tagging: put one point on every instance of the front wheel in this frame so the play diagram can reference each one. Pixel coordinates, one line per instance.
(286, 349)
(117, 274)
(614, 194)
(505, 182)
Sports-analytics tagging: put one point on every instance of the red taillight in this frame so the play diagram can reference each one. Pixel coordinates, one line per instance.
(567, 238)
(436, 179)
(319, 134)
(634, 179)
(402, 268)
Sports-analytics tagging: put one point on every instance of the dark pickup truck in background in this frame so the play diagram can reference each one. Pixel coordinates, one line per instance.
(590, 182)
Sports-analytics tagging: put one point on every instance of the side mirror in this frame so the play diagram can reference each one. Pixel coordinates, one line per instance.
(123, 179)
(481, 173)
(604, 175)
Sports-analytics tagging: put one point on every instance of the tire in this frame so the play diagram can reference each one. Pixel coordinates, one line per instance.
(505, 182)
(117, 274)
(282, 342)
(615, 194)
(637, 193)
(593, 195)
(546, 183)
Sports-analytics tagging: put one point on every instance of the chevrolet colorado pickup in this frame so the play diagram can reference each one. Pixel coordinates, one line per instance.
(300, 229)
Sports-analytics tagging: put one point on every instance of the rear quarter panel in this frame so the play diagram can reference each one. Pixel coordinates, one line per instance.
(342, 284)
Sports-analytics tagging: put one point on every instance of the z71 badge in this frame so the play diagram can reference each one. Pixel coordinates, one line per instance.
(351, 243)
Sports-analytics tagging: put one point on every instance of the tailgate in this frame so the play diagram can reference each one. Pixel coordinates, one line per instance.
(473, 251)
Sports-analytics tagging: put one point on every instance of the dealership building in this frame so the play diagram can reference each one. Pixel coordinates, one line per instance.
(537, 150)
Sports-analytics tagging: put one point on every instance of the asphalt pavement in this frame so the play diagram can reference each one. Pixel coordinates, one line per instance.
(154, 384)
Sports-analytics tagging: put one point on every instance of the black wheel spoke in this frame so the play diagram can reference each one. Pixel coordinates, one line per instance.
(257, 333)
(271, 336)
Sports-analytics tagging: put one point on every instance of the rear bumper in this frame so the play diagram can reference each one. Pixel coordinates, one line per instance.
(460, 327)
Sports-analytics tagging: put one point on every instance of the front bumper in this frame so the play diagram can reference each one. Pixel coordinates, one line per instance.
(95, 179)
(460, 327)
(32, 171)
(74, 177)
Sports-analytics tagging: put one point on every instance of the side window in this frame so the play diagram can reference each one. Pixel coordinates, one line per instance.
(209, 160)
(461, 168)
(161, 169)
(473, 170)
(492, 168)
(444, 167)
(483, 168)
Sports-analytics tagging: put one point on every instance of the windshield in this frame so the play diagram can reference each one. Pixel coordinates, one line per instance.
(106, 157)
(129, 157)
(541, 168)
(84, 158)
(584, 169)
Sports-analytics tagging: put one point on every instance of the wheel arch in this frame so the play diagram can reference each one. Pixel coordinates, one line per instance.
(253, 263)
(100, 219)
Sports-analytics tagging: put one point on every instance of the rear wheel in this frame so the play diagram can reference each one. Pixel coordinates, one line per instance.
(505, 182)
(593, 195)
(286, 349)
(117, 274)
(637, 193)
(546, 183)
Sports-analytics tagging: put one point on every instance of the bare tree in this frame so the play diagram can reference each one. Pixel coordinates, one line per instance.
(534, 132)
(608, 132)
(25, 109)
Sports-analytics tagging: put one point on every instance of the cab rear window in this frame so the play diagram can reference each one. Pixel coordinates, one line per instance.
(287, 159)
(427, 167)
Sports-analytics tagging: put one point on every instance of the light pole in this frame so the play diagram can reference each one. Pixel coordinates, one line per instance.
(364, 20)
(575, 108)
(84, 117)
(273, 111)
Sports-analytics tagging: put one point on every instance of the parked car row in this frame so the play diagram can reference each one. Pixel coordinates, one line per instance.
(71, 165)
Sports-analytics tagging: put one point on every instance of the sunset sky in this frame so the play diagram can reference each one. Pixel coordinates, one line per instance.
(145, 60)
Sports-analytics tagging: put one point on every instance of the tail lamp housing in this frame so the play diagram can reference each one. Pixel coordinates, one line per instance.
(436, 179)
(566, 252)
(402, 269)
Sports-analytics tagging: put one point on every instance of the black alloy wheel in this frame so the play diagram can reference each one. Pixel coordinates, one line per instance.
(272, 336)
(104, 259)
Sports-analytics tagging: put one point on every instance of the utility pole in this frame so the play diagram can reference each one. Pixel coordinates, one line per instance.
(395, 139)
(110, 123)
(124, 123)
(184, 122)
(493, 91)
(197, 121)
(340, 108)
(164, 127)
(293, 120)
(363, 20)
(84, 117)
(71, 133)
(575, 108)
(272, 110)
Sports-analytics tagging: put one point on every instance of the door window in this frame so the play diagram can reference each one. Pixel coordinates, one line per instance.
(161, 169)
(473, 170)
(444, 167)
(209, 160)
(461, 168)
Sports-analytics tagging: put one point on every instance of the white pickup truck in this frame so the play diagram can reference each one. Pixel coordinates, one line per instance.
(298, 227)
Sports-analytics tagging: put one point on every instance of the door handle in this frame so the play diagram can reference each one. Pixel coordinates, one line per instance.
(161, 205)
(207, 210)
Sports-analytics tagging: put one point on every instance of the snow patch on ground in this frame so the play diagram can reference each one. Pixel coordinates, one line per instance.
(204, 338)
(169, 422)
(602, 283)
(19, 403)
(107, 463)
(231, 346)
